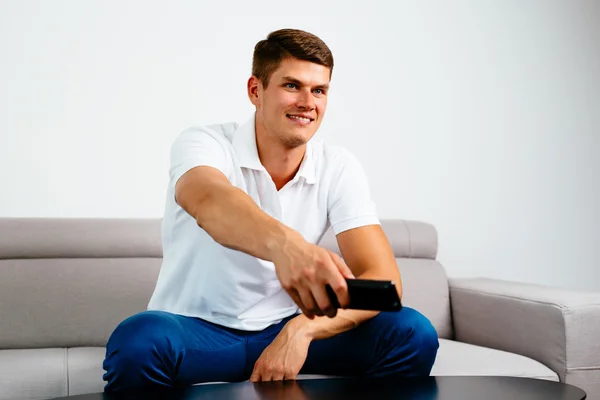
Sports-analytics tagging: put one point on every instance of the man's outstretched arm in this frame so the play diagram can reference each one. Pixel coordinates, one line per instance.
(233, 220)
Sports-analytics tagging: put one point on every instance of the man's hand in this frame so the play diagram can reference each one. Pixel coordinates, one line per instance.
(284, 357)
(304, 269)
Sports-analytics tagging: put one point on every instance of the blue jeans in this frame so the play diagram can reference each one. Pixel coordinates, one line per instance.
(157, 349)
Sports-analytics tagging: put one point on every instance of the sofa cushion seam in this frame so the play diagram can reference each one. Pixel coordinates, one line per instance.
(67, 370)
(565, 365)
(593, 368)
(559, 306)
(409, 239)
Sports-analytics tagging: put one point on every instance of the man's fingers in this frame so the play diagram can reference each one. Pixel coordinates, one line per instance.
(255, 377)
(289, 375)
(320, 295)
(309, 303)
(341, 291)
(296, 297)
(277, 376)
(265, 377)
(342, 267)
(338, 284)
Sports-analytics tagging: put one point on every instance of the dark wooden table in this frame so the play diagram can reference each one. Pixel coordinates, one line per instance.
(431, 388)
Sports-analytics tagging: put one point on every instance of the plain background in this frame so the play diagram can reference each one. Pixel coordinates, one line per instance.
(480, 117)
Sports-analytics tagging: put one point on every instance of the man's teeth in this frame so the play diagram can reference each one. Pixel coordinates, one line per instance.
(300, 118)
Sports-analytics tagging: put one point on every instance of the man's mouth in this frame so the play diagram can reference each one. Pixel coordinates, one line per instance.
(300, 118)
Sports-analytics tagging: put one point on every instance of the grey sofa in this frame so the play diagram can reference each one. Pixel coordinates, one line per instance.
(65, 284)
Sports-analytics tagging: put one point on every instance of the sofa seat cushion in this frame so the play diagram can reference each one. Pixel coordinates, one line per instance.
(33, 374)
(457, 358)
(78, 370)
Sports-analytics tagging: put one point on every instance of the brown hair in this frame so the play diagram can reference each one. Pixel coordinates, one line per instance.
(284, 43)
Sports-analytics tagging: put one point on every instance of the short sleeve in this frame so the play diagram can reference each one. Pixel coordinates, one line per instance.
(196, 147)
(350, 205)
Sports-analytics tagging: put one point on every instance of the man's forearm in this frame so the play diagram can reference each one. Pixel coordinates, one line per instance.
(233, 220)
(325, 327)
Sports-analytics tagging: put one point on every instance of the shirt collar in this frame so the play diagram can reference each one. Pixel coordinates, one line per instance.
(244, 144)
(307, 167)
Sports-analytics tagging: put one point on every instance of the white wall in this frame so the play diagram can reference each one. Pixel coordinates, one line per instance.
(482, 118)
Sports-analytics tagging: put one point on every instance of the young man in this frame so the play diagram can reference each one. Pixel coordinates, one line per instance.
(241, 292)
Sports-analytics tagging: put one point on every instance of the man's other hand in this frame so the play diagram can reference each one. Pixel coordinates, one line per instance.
(283, 358)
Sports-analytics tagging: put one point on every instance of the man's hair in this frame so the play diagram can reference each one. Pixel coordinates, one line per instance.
(285, 43)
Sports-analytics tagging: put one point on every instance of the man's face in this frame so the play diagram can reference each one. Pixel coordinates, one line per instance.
(292, 106)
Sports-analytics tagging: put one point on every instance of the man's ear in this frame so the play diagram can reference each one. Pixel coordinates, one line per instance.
(254, 88)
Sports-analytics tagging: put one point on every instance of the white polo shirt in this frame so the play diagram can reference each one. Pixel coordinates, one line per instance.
(201, 278)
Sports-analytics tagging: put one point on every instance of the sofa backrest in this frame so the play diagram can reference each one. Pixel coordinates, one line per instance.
(70, 282)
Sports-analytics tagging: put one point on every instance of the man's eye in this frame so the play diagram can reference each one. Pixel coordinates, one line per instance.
(319, 91)
(291, 85)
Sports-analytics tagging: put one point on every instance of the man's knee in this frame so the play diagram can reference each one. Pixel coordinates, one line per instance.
(139, 336)
(413, 332)
(424, 340)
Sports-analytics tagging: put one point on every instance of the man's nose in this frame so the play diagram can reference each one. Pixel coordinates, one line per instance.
(305, 100)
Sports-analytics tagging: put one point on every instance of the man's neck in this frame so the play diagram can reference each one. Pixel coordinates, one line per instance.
(281, 163)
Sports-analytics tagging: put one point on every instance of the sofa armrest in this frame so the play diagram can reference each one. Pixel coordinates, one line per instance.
(557, 327)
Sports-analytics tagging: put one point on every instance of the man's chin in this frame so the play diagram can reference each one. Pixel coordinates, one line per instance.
(291, 142)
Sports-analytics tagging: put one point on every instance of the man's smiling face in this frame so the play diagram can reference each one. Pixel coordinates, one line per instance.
(293, 105)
